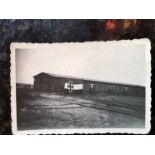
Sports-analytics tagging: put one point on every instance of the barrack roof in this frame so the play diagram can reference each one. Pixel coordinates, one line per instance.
(86, 79)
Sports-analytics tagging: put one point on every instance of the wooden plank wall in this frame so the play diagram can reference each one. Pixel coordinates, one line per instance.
(56, 84)
(119, 89)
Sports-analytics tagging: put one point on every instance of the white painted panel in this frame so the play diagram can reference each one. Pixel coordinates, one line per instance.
(75, 86)
(66, 85)
(78, 87)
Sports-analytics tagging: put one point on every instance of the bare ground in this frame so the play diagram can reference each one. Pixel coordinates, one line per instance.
(53, 111)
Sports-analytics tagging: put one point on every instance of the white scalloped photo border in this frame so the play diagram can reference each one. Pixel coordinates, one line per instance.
(145, 130)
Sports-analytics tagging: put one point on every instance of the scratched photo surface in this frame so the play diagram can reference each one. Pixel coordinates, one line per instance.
(80, 87)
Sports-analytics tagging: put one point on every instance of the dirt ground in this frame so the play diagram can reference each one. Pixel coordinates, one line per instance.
(54, 111)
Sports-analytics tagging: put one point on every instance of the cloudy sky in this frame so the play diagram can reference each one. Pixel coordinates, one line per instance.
(114, 62)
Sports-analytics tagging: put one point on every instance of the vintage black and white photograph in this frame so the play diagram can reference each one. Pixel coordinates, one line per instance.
(89, 87)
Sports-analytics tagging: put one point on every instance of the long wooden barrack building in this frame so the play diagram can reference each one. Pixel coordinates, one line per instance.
(58, 83)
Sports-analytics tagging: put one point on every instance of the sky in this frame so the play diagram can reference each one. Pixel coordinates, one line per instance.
(113, 62)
